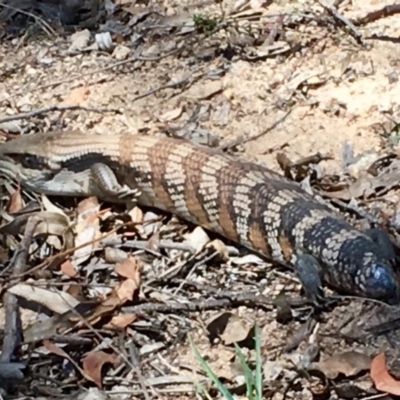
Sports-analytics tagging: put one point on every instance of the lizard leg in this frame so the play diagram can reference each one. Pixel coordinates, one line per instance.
(308, 271)
(106, 182)
(382, 239)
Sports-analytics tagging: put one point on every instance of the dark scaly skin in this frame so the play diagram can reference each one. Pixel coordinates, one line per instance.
(245, 202)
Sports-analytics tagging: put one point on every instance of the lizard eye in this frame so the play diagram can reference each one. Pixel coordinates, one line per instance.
(31, 162)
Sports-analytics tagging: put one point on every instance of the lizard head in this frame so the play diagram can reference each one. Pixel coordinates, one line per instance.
(378, 280)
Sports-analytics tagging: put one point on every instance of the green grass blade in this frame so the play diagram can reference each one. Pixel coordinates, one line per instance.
(248, 375)
(224, 391)
(259, 373)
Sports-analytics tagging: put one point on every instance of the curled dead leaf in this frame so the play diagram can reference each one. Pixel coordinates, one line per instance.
(87, 229)
(15, 202)
(87, 208)
(93, 364)
(171, 115)
(126, 290)
(229, 327)
(68, 269)
(382, 379)
(49, 206)
(53, 348)
(129, 268)
(136, 215)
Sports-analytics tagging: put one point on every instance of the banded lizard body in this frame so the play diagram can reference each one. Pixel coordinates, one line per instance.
(245, 202)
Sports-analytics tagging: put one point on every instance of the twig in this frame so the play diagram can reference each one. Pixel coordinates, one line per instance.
(169, 307)
(384, 12)
(245, 298)
(249, 297)
(72, 339)
(93, 72)
(20, 265)
(343, 20)
(136, 367)
(12, 325)
(163, 244)
(44, 110)
(237, 142)
(49, 260)
(167, 86)
(356, 210)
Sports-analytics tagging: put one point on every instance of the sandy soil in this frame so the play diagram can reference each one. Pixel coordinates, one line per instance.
(329, 91)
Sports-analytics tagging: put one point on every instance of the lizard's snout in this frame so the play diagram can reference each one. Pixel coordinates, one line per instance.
(379, 281)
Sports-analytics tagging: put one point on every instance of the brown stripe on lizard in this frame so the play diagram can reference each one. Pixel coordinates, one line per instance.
(157, 163)
(196, 188)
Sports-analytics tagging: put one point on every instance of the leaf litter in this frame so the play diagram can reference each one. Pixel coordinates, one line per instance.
(107, 282)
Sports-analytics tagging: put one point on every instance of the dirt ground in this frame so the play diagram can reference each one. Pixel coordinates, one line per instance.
(313, 86)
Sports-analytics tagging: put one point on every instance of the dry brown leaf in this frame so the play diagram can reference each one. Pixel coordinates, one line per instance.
(126, 290)
(75, 290)
(171, 115)
(136, 215)
(87, 229)
(111, 302)
(129, 268)
(229, 327)
(49, 206)
(68, 269)
(87, 207)
(98, 312)
(53, 348)
(114, 255)
(77, 95)
(15, 202)
(154, 242)
(349, 363)
(93, 363)
(80, 40)
(198, 238)
(236, 330)
(220, 246)
(382, 379)
(55, 300)
(121, 321)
